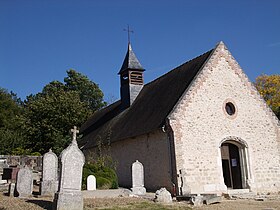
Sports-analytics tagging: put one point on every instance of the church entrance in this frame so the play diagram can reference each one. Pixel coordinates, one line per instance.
(233, 160)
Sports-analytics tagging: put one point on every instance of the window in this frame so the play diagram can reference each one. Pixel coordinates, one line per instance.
(230, 108)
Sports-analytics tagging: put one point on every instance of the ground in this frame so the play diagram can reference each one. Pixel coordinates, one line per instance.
(10, 203)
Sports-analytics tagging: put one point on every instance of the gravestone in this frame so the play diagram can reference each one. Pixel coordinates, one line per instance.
(24, 184)
(91, 182)
(163, 196)
(49, 184)
(69, 195)
(197, 200)
(11, 191)
(138, 178)
(3, 164)
(10, 174)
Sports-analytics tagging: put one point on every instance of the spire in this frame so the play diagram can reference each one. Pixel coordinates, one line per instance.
(130, 62)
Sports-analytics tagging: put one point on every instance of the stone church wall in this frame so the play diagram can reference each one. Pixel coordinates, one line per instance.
(152, 150)
(200, 123)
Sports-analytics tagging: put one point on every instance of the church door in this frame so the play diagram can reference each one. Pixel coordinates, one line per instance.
(231, 166)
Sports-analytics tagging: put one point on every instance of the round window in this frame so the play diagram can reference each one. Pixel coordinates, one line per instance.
(230, 108)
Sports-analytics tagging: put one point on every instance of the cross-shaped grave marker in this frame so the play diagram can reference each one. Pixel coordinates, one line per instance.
(74, 131)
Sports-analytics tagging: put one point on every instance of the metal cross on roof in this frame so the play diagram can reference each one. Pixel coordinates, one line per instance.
(75, 131)
(128, 32)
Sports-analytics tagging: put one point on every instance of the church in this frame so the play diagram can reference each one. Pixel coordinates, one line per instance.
(200, 128)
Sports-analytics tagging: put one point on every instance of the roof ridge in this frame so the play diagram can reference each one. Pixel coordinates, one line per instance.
(169, 72)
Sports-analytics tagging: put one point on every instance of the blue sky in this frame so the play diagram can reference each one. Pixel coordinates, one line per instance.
(41, 39)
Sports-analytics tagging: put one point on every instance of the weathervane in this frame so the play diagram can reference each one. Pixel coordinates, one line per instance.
(128, 32)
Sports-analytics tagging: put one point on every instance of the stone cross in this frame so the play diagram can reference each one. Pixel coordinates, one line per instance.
(74, 131)
(138, 178)
(69, 195)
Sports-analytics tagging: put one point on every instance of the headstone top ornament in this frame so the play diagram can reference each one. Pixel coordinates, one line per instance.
(74, 131)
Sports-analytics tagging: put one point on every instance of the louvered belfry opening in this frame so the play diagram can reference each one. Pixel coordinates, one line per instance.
(136, 78)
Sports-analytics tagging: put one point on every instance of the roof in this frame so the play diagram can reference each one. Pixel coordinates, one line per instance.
(131, 62)
(149, 110)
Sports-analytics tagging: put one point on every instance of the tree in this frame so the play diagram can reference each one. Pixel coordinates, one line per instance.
(11, 134)
(50, 115)
(269, 88)
(89, 92)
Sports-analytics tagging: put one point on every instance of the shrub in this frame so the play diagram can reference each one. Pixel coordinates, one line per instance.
(106, 177)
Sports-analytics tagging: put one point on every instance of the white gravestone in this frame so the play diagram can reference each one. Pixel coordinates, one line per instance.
(49, 185)
(69, 195)
(138, 178)
(91, 182)
(24, 184)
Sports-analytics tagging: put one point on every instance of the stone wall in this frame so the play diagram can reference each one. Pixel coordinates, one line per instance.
(33, 162)
(200, 124)
(152, 150)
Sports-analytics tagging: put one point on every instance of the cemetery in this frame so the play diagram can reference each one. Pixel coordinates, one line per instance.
(60, 187)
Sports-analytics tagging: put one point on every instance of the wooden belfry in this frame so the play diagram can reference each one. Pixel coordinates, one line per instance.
(131, 75)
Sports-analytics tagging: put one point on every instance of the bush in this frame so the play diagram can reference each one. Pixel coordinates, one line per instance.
(106, 177)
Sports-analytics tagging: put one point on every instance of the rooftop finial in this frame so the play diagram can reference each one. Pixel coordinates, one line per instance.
(128, 33)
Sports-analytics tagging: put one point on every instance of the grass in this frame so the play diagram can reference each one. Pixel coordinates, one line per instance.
(129, 204)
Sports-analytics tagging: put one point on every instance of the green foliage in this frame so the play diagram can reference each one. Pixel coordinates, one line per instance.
(269, 88)
(11, 134)
(102, 166)
(106, 177)
(50, 116)
(43, 120)
(88, 91)
(22, 151)
(52, 113)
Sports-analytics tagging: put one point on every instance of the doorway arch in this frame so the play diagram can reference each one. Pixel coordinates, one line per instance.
(234, 157)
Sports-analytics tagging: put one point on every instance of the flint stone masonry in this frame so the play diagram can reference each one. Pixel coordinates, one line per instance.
(69, 195)
(152, 150)
(138, 178)
(200, 125)
(163, 196)
(49, 184)
(24, 184)
(91, 182)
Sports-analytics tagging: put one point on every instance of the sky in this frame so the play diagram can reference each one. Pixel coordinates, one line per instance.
(41, 39)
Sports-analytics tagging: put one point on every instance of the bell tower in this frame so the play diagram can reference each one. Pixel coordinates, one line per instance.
(131, 78)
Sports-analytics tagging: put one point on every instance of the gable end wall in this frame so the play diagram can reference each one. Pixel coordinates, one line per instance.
(200, 124)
